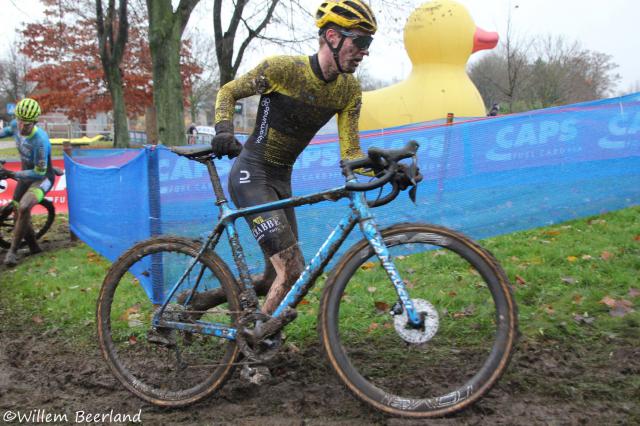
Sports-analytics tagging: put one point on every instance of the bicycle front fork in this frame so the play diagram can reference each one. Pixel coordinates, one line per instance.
(372, 234)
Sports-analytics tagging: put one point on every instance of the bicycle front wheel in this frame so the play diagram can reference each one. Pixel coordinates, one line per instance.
(470, 323)
(165, 367)
(40, 223)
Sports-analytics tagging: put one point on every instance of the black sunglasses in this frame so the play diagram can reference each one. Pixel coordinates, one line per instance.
(362, 42)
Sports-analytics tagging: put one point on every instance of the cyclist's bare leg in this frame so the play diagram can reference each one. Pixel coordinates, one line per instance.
(288, 264)
(22, 226)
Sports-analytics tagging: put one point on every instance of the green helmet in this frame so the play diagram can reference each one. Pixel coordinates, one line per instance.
(28, 110)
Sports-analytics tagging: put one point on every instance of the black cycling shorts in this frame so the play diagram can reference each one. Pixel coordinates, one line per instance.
(251, 184)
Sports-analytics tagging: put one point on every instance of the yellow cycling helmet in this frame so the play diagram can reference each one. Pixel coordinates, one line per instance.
(348, 14)
(28, 110)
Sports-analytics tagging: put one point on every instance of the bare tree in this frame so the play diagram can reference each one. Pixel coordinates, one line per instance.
(113, 32)
(225, 39)
(13, 71)
(564, 72)
(202, 86)
(554, 72)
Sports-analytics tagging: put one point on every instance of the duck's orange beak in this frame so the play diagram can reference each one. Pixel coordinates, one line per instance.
(484, 40)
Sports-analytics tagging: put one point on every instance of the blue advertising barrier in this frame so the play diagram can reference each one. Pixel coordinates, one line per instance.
(483, 177)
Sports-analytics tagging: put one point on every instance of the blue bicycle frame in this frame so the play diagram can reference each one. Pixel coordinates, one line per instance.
(360, 212)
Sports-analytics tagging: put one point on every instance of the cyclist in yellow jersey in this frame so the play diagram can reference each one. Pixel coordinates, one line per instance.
(299, 94)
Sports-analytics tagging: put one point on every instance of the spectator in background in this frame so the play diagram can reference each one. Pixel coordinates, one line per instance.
(495, 109)
(192, 132)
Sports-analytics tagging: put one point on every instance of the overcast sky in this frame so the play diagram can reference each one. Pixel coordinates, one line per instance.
(606, 27)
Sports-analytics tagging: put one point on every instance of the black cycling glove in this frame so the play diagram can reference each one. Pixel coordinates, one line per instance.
(224, 142)
(7, 174)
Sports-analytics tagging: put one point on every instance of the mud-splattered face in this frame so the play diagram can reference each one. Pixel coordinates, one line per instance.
(355, 46)
(354, 49)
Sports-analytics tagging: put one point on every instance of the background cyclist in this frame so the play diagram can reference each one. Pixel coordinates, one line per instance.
(36, 177)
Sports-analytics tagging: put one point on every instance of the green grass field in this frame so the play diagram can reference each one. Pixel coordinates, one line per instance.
(573, 281)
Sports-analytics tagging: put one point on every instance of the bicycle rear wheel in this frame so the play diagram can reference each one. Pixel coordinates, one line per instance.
(470, 323)
(187, 367)
(40, 223)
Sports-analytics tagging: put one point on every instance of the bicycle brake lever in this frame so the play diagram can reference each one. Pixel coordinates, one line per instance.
(412, 193)
(412, 170)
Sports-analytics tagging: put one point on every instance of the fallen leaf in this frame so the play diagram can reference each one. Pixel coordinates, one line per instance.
(129, 312)
(303, 302)
(577, 299)
(552, 233)
(452, 294)
(609, 301)
(572, 258)
(634, 292)
(372, 327)
(605, 255)
(520, 280)
(133, 340)
(549, 309)
(381, 307)
(569, 280)
(621, 308)
(371, 289)
(367, 266)
(586, 257)
(37, 319)
(637, 237)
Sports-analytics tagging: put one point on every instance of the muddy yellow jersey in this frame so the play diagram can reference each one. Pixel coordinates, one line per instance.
(296, 101)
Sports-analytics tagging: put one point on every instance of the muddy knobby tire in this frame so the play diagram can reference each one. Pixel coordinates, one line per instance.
(473, 319)
(195, 365)
(40, 223)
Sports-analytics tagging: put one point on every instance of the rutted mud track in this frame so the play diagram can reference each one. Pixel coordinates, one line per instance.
(547, 383)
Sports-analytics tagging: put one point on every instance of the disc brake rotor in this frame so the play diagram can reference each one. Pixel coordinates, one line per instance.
(413, 335)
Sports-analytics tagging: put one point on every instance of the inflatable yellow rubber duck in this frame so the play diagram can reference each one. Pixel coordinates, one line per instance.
(439, 37)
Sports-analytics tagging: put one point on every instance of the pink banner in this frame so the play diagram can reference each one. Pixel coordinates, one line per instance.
(58, 194)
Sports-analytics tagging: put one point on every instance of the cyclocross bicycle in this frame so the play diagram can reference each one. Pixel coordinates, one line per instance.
(40, 223)
(416, 320)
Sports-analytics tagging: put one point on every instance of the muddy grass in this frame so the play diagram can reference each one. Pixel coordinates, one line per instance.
(548, 382)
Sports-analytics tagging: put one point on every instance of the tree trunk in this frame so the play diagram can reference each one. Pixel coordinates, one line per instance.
(112, 47)
(165, 33)
(120, 122)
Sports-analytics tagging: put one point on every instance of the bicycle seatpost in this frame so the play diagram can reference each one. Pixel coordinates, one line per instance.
(215, 182)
